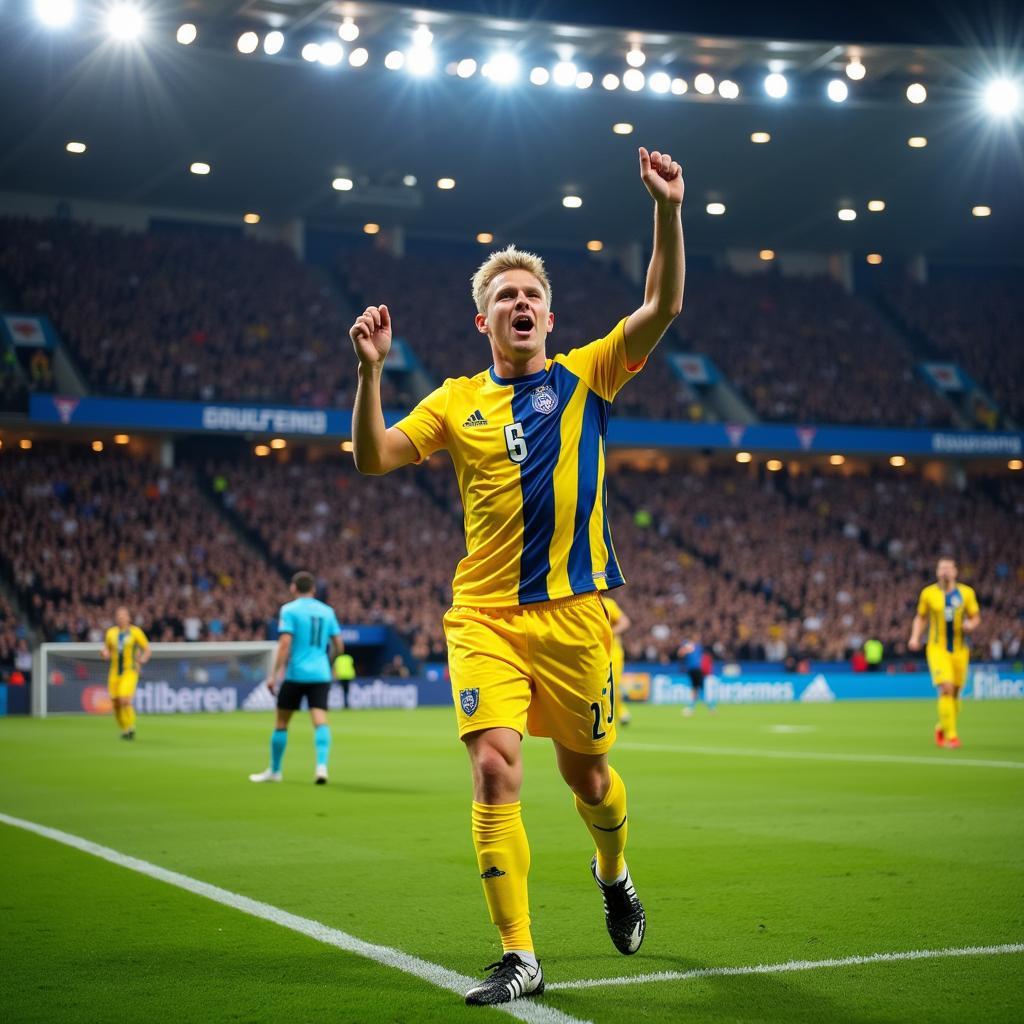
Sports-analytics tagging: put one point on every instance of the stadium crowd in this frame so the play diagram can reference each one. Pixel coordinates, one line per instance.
(81, 533)
(975, 324)
(802, 350)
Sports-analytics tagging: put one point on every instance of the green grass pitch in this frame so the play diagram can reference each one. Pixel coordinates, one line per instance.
(743, 851)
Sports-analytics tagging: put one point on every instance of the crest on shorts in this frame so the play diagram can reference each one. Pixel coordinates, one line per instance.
(470, 700)
(544, 399)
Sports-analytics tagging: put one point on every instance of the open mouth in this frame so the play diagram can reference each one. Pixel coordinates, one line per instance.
(522, 325)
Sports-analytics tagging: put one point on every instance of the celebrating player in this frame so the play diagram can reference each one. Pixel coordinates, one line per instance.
(126, 647)
(620, 622)
(529, 643)
(949, 611)
(306, 626)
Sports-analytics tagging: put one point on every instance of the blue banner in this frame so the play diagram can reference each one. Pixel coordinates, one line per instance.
(192, 417)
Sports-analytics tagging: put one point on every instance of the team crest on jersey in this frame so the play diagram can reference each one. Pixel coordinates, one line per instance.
(470, 701)
(544, 399)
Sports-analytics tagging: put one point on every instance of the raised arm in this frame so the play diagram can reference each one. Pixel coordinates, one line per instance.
(377, 449)
(663, 294)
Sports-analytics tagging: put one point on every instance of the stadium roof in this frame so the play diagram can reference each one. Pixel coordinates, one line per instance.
(276, 130)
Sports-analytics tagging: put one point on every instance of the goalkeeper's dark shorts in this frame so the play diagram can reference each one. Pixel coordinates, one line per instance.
(289, 698)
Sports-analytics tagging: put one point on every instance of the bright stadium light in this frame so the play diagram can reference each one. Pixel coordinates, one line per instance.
(251, 218)
(331, 53)
(55, 13)
(124, 22)
(776, 85)
(311, 52)
(504, 68)
(704, 84)
(874, 259)
(917, 142)
(610, 82)
(572, 202)
(744, 457)
(273, 43)
(897, 460)
(485, 237)
(540, 76)
(409, 181)
(837, 90)
(348, 31)
(446, 184)
(766, 255)
(564, 73)
(595, 245)
(728, 89)
(916, 92)
(1002, 97)
(199, 167)
(359, 56)
(836, 460)
(659, 82)
(247, 42)
(633, 80)
(876, 205)
(715, 209)
(855, 70)
(422, 36)
(760, 138)
(622, 128)
(187, 34)
(981, 211)
(847, 213)
(773, 465)
(395, 60)
(278, 443)
(371, 229)
(679, 86)
(342, 184)
(421, 61)
(636, 57)
(76, 147)
(466, 68)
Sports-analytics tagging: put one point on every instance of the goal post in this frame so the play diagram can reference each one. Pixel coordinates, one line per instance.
(71, 678)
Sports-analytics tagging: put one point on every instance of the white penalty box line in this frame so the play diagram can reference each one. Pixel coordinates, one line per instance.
(452, 981)
(525, 1010)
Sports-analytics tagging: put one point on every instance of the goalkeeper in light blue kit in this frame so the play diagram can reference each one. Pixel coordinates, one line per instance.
(307, 628)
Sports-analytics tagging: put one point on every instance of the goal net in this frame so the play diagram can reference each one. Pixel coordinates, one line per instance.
(179, 677)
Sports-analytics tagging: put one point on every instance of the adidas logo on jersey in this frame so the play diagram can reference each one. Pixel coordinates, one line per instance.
(476, 420)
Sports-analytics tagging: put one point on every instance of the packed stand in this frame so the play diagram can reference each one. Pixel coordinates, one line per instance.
(913, 522)
(432, 310)
(382, 548)
(975, 324)
(14, 649)
(81, 533)
(187, 316)
(802, 350)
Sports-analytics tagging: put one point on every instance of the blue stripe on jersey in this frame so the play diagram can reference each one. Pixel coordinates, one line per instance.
(613, 574)
(581, 558)
(950, 619)
(542, 432)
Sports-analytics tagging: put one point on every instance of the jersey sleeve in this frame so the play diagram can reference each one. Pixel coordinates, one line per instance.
(970, 602)
(286, 620)
(425, 425)
(922, 603)
(333, 627)
(109, 641)
(140, 638)
(601, 365)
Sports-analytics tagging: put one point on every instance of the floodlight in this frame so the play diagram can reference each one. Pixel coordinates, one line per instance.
(348, 31)
(916, 92)
(540, 76)
(837, 90)
(564, 73)
(273, 42)
(359, 56)
(659, 82)
(504, 68)
(704, 84)
(610, 82)
(728, 90)
(635, 58)
(247, 42)
(124, 22)
(186, 34)
(855, 70)
(331, 53)
(776, 85)
(55, 13)
(1002, 97)
(466, 68)
(633, 80)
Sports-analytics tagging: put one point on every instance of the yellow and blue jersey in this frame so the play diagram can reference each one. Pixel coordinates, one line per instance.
(529, 454)
(945, 614)
(124, 647)
(311, 624)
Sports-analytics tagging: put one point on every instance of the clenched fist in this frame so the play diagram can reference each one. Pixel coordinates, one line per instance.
(371, 335)
(662, 177)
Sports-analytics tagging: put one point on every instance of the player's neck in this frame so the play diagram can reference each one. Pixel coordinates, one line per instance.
(947, 588)
(511, 369)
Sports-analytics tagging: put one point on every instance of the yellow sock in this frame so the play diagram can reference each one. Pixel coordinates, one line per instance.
(947, 716)
(607, 824)
(503, 856)
(119, 717)
(128, 717)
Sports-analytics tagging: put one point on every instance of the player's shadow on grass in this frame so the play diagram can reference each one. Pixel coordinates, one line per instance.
(758, 997)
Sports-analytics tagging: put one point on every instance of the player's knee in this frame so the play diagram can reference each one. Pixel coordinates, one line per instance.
(495, 775)
(591, 784)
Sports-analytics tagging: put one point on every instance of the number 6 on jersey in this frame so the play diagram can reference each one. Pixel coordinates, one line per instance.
(515, 442)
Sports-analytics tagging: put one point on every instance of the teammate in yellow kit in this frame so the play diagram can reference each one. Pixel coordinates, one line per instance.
(949, 611)
(620, 622)
(126, 647)
(529, 642)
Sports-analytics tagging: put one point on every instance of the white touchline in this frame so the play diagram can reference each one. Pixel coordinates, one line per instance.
(793, 965)
(820, 755)
(435, 974)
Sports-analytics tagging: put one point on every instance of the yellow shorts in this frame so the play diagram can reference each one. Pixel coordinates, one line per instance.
(948, 666)
(618, 662)
(123, 685)
(544, 668)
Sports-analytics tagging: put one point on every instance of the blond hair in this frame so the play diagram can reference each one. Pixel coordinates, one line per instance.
(509, 258)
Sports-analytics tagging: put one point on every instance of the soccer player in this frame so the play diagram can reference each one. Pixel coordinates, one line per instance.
(693, 654)
(126, 647)
(620, 622)
(307, 627)
(529, 642)
(949, 611)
